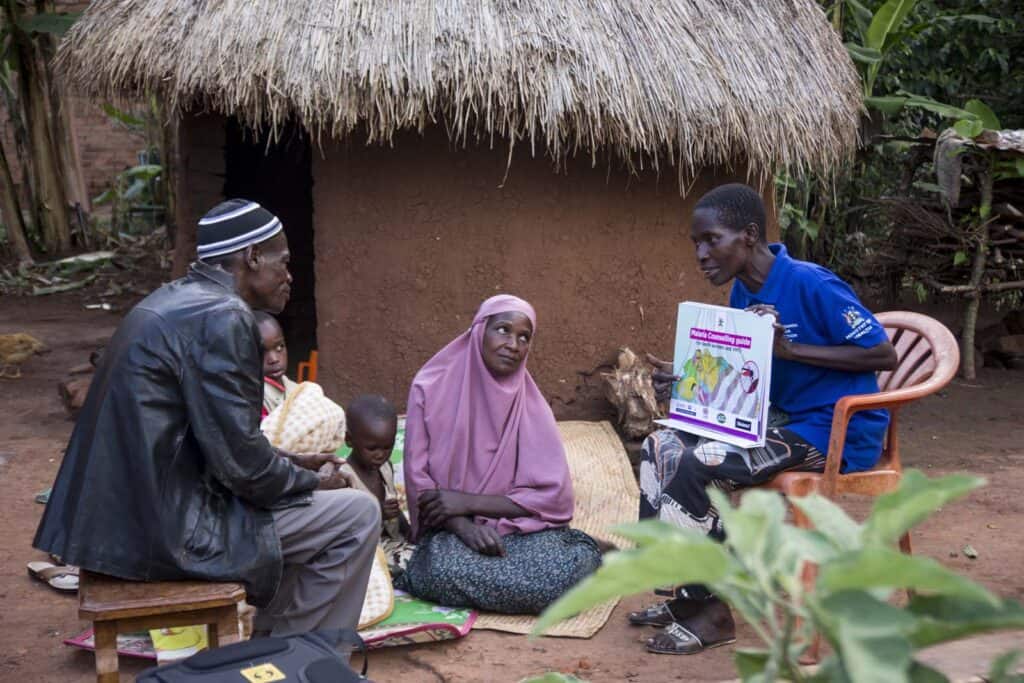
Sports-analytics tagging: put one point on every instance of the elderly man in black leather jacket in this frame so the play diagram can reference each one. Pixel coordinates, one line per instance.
(167, 475)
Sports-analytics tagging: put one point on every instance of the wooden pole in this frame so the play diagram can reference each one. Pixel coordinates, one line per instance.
(977, 272)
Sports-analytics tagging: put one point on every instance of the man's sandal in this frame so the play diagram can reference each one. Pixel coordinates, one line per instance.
(666, 612)
(63, 578)
(683, 641)
(658, 615)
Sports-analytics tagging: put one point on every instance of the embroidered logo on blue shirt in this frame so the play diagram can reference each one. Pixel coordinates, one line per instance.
(859, 325)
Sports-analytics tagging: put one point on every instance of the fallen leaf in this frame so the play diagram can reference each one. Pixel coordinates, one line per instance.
(970, 552)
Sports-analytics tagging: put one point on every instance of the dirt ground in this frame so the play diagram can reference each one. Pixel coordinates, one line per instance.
(973, 427)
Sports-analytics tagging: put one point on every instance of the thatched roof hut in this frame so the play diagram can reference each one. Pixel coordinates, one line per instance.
(700, 82)
(714, 89)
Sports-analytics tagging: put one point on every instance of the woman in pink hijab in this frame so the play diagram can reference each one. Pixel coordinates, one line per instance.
(490, 498)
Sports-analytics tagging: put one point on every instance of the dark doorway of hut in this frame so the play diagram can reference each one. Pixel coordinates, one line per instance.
(278, 175)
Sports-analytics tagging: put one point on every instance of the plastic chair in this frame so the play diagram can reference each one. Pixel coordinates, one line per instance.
(306, 369)
(928, 358)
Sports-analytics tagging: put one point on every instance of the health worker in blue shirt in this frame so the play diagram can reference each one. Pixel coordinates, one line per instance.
(827, 345)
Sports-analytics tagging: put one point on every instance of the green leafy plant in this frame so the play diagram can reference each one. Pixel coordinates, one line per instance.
(878, 32)
(757, 570)
(1002, 670)
(133, 189)
(131, 184)
(140, 190)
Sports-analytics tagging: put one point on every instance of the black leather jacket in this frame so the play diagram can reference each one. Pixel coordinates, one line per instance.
(167, 475)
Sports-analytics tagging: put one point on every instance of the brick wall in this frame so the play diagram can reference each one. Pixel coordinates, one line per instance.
(105, 148)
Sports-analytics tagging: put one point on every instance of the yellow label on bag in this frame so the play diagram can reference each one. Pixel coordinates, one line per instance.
(262, 673)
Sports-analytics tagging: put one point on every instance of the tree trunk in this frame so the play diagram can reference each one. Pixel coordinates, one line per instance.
(971, 312)
(51, 207)
(977, 273)
(10, 209)
(70, 155)
(62, 129)
(71, 170)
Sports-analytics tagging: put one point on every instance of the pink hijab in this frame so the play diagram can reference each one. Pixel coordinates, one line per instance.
(469, 431)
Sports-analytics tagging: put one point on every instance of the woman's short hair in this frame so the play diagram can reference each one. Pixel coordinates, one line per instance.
(737, 206)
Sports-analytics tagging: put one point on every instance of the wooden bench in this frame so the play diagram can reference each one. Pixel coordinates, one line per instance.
(116, 606)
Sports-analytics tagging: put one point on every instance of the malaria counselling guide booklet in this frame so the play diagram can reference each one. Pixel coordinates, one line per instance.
(723, 359)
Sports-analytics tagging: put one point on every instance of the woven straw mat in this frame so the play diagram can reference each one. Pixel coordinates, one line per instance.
(606, 495)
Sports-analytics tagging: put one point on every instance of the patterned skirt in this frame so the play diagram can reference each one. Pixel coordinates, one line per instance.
(676, 468)
(536, 570)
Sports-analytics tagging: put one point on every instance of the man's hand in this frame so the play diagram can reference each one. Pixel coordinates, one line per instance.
(310, 461)
(781, 346)
(391, 509)
(482, 539)
(662, 378)
(331, 477)
(439, 505)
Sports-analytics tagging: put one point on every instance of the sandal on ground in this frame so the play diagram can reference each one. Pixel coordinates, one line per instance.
(663, 614)
(62, 578)
(656, 615)
(676, 639)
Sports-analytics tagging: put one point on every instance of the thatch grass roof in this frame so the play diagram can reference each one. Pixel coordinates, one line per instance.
(688, 82)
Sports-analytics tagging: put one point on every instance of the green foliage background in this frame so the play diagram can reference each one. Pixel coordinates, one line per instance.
(950, 51)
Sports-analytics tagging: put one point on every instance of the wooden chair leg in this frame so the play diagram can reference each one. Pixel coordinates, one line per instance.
(813, 653)
(213, 635)
(224, 631)
(105, 634)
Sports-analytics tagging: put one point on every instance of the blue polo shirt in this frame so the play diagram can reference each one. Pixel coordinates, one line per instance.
(818, 308)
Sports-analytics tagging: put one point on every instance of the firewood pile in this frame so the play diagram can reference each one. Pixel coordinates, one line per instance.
(935, 236)
(934, 251)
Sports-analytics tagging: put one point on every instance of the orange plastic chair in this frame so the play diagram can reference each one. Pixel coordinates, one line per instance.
(928, 359)
(306, 369)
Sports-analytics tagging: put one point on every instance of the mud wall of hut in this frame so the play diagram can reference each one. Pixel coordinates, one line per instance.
(411, 238)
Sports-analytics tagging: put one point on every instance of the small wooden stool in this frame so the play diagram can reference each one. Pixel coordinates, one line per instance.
(117, 606)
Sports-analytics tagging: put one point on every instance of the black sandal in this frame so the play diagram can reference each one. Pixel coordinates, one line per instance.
(684, 641)
(657, 615)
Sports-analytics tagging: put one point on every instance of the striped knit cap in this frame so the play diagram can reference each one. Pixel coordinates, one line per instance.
(233, 225)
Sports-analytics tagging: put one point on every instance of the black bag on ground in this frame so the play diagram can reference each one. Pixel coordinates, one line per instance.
(316, 657)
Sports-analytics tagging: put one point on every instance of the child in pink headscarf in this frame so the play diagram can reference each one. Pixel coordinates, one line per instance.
(490, 498)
